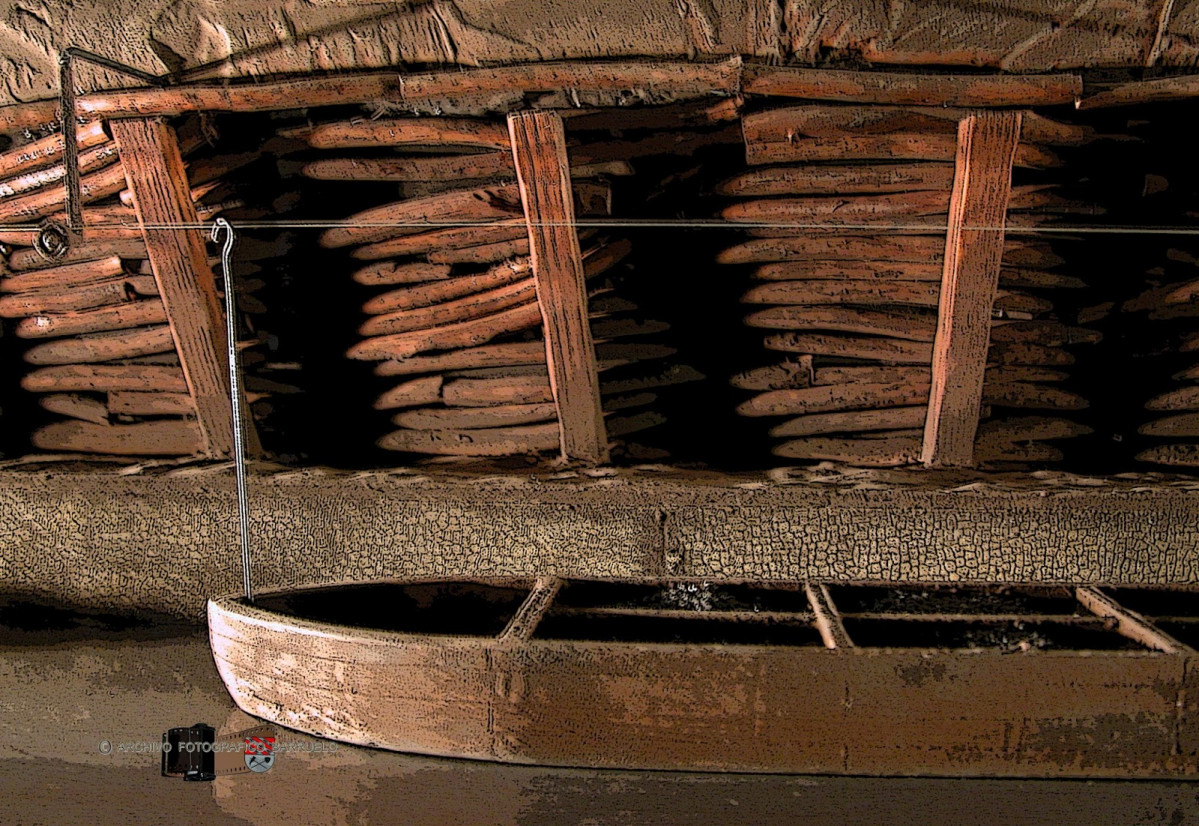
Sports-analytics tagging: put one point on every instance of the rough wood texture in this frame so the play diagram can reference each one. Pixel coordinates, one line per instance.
(185, 281)
(987, 144)
(166, 437)
(912, 89)
(543, 174)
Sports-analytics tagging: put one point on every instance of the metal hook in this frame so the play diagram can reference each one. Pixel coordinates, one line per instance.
(239, 433)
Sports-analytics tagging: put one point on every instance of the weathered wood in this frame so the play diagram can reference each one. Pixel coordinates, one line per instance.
(894, 147)
(490, 355)
(524, 622)
(48, 150)
(413, 393)
(54, 300)
(1038, 279)
(1128, 623)
(1186, 424)
(870, 348)
(493, 441)
(793, 373)
(1045, 333)
(542, 169)
(167, 437)
(395, 272)
(911, 89)
(41, 202)
(104, 319)
(485, 254)
(832, 398)
(853, 421)
(679, 79)
(481, 166)
(533, 389)
(987, 144)
(99, 347)
(1031, 396)
(65, 277)
(849, 270)
(829, 179)
(80, 252)
(179, 260)
(878, 291)
(1179, 455)
(453, 238)
(440, 291)
(1184, 398)
(1032, 355)
(448, 337)
(991, 453)
(75, 406)
(835, 247)
(870, 374)
(420, 214)
(902, 448)
(103, 378)
(884, 209)
(671, 116)
(1158, 90)
(138, 403)
(470, 418)
(997, 432)
(822, 121)
(365, 133)
(828, 621)
(911, 325)
(1003, 374)
(89, 161)
(476, 305)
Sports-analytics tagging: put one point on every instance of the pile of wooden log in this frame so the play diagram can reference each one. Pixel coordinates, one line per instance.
(458, 320)
(99, 340)
(848, 207)
(1177, 426)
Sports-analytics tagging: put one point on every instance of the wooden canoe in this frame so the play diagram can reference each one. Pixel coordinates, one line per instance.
(765, 677)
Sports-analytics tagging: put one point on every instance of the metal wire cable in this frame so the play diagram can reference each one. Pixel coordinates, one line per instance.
(239, 435)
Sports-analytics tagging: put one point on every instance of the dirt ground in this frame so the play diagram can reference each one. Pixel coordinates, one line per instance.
(69, 681)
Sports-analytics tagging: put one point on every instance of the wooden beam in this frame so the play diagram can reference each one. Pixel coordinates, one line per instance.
(161, 196)
(543, 174)
(1161, 90)
(828, 619)
(524, 622)
(910, 88)
(1128, 623)
(982, 184)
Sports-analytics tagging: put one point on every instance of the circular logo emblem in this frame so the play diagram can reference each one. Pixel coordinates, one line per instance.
(260, 753)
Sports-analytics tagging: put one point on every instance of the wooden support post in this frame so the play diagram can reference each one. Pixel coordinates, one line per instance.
(161, 196)
(543, 173)
(828, 619)
(982, 183)
(524, 622)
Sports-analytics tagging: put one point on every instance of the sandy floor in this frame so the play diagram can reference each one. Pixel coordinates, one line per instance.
(69, 681)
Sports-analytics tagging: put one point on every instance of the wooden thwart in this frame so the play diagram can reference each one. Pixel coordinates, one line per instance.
(987, 143)
(543, 174)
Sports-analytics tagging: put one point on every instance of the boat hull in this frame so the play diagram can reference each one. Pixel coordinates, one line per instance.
(740, 708)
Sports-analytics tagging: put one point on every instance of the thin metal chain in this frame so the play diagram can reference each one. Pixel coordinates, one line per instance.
(239, 434)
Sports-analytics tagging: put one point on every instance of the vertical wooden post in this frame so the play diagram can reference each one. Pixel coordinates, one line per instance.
(982, 183)
(154, 169)
(543, 172)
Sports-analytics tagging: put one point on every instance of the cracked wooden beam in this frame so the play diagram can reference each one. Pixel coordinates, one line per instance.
(154, 168)
(987, 143)
(543, 175)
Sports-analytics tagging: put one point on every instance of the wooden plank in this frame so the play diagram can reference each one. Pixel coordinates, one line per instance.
(536, 604)
(161, 195)
(543, 174)
(1129, 623)
(1160, 90)
(828, 621)
(910, 88)
(987, 144)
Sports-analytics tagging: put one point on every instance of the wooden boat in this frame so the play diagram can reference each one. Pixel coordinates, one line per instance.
(767, 677)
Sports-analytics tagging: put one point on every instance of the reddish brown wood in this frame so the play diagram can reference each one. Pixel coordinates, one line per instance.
(166, 437)
(832, 398)
(454, 238)
(837, 247)
(66, 277)
(911, 88)
(885, 449)
(877, 291)
(75, 406)
(393, 272)
(185, 281)
(138, 403)
(412, 393)
(54, 300)
(104, 378)
(849, 270)
(41, 202)
(442, 290)
(104, 319)
(409, 132)
(830, 179)
(492, 441)
(911, 325)
(853, 421)
(417, 214)
(470, 418)
(86, 349)
(542, 169)
(476, 305)
(987, 144)
(47, 150)
(870, 348)
(490, 355)
(448, 337)
(534, 389)
(80, 252)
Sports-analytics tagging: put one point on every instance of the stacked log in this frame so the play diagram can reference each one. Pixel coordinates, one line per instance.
(456, 320)
(102, 356)
(1175, 426)
(847, 210)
